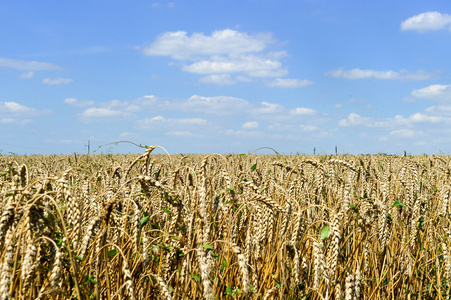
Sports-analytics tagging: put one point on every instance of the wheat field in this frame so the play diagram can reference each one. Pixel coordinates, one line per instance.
(160, 226)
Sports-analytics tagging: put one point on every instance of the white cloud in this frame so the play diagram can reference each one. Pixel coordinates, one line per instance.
(157, 118)
(15, 113)
(439, 110)
(57, 81)
(162, 122)
(354, 74)
(180, 46)
(268, 108)
(250, 125)
(147, 100)
(242, 133)
(188, 121)
(303, 111)
(433, 92)
(431, 20)
(338, 106)
(354, 119)
(420, 118)
(223, 52)
(182, 134)
(308, 128)
(13, 107)
(290, 83)
(222, 79)
(101, 114)
(200, 113)
(78, 103)
(287, 127)
(132, 106)
(219, 105)
(9, 109)
(250, 65)
(404, 133)
(27, 75)
(26, 65)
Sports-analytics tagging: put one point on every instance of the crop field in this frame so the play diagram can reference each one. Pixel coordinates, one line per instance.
(160, 226)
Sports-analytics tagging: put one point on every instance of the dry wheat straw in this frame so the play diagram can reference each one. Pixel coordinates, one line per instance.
(338, 291)
(243, 267)
(5, 275)
(349, 287)
(204, 264)
(270, 292)
(164, 287)
(357, 283)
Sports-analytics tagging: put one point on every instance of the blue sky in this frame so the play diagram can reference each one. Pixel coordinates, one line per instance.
(225, 76)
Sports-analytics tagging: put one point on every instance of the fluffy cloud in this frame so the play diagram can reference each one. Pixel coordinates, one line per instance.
(285, 127)
(15, 113)
(433, 92)
(439, 110)
(308, 128)
(159, 121)
(103, 114)
(224, 52)
(27, 65)
(132, 106)
(404, 133)
(27, 75)
(222, 79)
(195, 105)
(219, 105)
(383, 75)
(78, 103)
(303, 111)
(250, 65)
(57, 81)
(250, 125)
(15, 109)
(201, 116)
(268, 108)
(289, 83)
(423, 118)
(243, 133)
(431, 20)
(180, 46)
(181, 133)
(354, 119)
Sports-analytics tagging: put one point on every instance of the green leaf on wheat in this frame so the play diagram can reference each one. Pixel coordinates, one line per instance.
(398, 203)
(144, 221)
(112, 253)
(325, 232)
(166, 211)
(207, 246)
